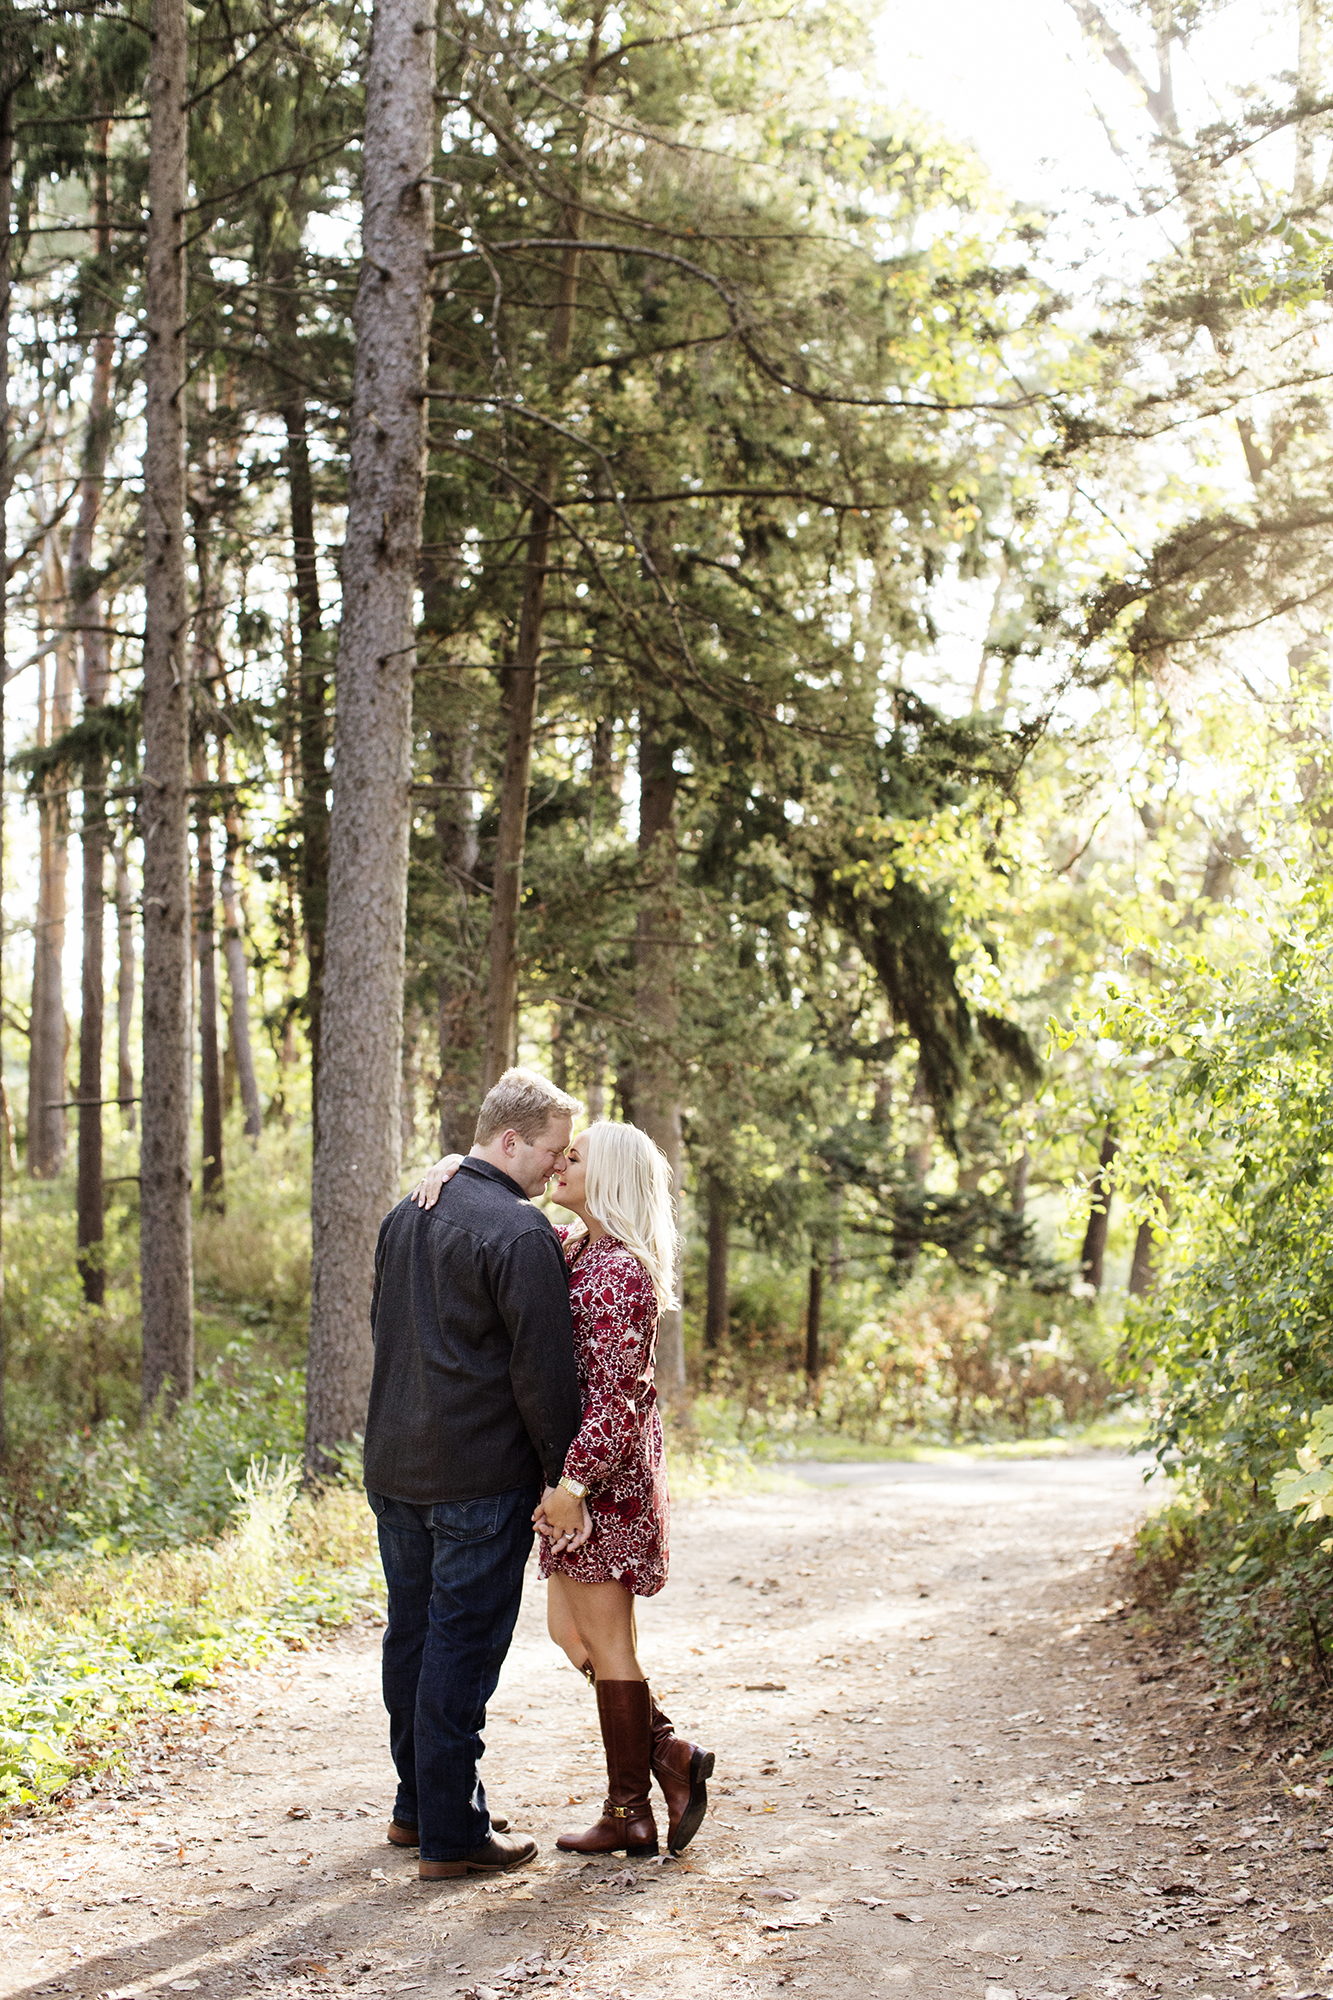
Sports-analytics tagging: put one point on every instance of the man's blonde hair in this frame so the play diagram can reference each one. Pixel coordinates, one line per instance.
(522, 1102)
(627, 1186)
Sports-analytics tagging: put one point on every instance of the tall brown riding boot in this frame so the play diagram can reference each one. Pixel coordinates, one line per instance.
(624, 1710)
(681, 1769)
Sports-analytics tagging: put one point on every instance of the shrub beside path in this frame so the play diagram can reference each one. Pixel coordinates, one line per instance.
(942, 1770)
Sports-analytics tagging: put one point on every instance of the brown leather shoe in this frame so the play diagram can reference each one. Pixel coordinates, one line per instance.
(499, 1854)
(402, 1834)
(624, 1710)
(681, 1769)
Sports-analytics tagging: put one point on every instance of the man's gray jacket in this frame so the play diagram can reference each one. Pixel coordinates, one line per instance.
(474, 1390)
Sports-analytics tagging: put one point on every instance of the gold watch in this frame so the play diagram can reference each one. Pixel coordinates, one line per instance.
(572, 1486)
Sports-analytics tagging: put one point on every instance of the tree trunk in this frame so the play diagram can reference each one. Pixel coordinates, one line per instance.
(49, 1038)
(814, 1306)
(520, 684)
(238, 977)
(313, 680)
(124, 987)
(164, 1242)
(89, 1205)
(356, 1165)
(205, 932)
(458, 1025)
(716, 1318)
(1143, 1269)
(657, 936)
(1093, 1258)
(6, 480)
(88, 621)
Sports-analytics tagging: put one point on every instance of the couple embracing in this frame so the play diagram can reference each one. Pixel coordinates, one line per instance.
(512, 1394)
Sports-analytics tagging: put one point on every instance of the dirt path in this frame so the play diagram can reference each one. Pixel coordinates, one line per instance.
(939, 1773)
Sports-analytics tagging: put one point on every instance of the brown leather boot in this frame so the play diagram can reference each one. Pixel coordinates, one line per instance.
(681, 1769)
(624, 1710)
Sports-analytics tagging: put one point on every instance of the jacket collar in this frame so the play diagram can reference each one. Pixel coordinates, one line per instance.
(490, 1173)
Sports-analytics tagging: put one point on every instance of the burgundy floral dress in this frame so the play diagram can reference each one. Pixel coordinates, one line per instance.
(618, 1452)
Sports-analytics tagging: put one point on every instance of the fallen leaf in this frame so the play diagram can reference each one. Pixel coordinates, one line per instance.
(298, 1812)
(766, 1687)
(908, 1917)
(183, 1985)
(871, 1902)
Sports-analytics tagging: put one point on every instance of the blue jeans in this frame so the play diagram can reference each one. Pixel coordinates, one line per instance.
(455, 1577)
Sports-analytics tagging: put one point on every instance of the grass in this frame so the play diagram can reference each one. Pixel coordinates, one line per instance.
(91, 1643)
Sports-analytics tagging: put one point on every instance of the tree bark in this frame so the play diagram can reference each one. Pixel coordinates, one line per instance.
(814, 1307)
(6, 480)
(521, 684)
(1142, 1276)
(456, 996)
(125, 987)
(657, 939)
(205, 933)
(87, 619)
(313, 680)
(716, 1317)
(164, 1243)
(49, 1037)
(357, 1159)
(1093, 1258)
(238, 975)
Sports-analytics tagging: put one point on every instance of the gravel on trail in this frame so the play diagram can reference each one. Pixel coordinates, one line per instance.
(942, 1770)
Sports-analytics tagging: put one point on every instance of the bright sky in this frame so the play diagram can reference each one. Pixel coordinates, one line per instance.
(1011, 78)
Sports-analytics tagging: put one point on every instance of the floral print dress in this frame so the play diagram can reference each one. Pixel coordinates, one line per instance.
(618, 1452)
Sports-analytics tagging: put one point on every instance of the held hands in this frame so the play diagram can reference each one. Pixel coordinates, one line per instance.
(427, 1190)
(562, 1520)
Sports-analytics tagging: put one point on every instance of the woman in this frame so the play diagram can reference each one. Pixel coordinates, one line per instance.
(621, 1258)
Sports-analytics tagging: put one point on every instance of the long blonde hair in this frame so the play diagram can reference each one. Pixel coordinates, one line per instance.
(627, 1186)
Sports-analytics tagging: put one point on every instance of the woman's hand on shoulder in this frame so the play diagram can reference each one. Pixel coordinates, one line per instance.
(427, 1190)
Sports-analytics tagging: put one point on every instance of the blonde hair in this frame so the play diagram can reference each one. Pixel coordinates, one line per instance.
(522, 1102)
(627, 1186)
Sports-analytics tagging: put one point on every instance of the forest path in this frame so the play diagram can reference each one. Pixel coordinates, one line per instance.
(935, 1764)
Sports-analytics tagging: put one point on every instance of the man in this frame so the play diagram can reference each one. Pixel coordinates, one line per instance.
(473, 1404)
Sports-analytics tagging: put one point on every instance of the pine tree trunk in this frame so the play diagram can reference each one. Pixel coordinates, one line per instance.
(164, 1243)
(716, 1320)
(125, 988)
(49, 1039)
(88, 621)
(814, 1311)
(657, 936)
(313, 680)
(89, 1198)
(6, 480)
(520, 684)
(1093, 1258)
(205, 934)
(456, 997)
(238, 978)
(357, 1160)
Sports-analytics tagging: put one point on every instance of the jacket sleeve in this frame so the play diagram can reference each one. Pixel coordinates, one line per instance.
(618, 1360)
(379, 1273)
(532, 1295)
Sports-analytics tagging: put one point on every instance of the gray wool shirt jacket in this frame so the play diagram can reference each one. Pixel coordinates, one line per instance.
(474, 1390)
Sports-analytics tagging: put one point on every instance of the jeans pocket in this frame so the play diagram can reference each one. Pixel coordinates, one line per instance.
(467, 1520)
(376, 1502)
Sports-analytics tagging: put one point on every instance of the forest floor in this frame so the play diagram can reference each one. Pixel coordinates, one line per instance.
(943, 1769)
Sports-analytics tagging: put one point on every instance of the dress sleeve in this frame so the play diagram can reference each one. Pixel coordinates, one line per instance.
(617, 1358)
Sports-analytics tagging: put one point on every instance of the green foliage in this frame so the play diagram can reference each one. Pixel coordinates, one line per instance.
(92, 1642)
(1228, 1120)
